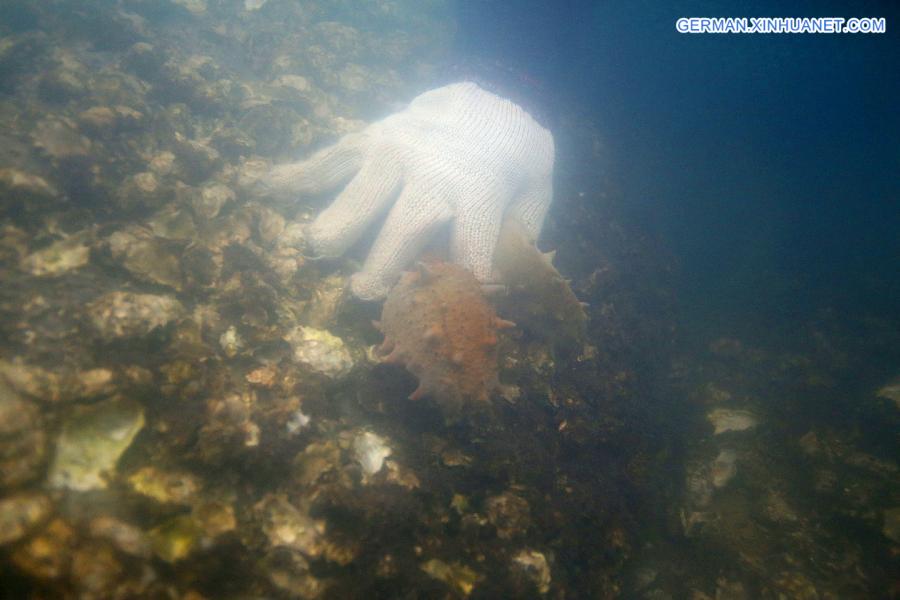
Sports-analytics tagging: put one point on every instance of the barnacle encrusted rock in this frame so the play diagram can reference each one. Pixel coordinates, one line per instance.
(371, 450)
(320, 351)
(437, 323)
(125, 314)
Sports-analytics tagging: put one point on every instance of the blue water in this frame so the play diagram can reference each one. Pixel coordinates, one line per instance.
(756, 156)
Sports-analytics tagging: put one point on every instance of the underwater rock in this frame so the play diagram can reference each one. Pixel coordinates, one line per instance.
(400, 475)
(53, 387)
(723, 468)
(107, 120)
(195, 7)
(777, 508)
(326, 301)
(166, 487)
(48, 553)
(532, 566)
(231, 341)
(146, 256)
(19, 187)
(59, 138)
(13, 241)
(196, 160)
(214, 518)
(20, 513)
(95, 570)
(728, 419)
(142, 191)
(317, 459)
(144, 60)
(211, 199)
(92, 439)
(437, 324)
(891, 527)
(173, 223)
(890, 392)
(698, 485)
(297, 422)
(286, 525)
(289, 571)
(68, 80)
(126, 314)
(269, 225)
(509, 514)
(229, 423)
(264, 376)
(175, 539)
(296, 82)
(125, 537)
(22, 439)
(265, 125)
(57, 258)
(370, 451)
(162, 163)
(458, 577)
(201, 266)
(320, 351)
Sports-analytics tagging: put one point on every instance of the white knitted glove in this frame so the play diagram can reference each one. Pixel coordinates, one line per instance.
(456, 154)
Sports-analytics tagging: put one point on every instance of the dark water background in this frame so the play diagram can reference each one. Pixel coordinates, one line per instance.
(770, 164)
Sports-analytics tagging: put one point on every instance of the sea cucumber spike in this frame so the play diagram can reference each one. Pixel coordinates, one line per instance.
(393, 358)
(376, 325)
(490, 339)
(386, 346)
(457, 358)
(418, 393)
(503, 323)
(549, 256)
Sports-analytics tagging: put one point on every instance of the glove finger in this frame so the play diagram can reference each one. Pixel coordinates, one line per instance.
(474, 236)
(361, 202)
(408, 227)
(324, 170)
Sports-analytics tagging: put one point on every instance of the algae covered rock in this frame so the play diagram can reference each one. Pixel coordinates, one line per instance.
(20, 513)
(458, 577)
(91, 442)
(22, 438)
(57, 258)
(727, 419)
(146, 256)
(127, 314)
